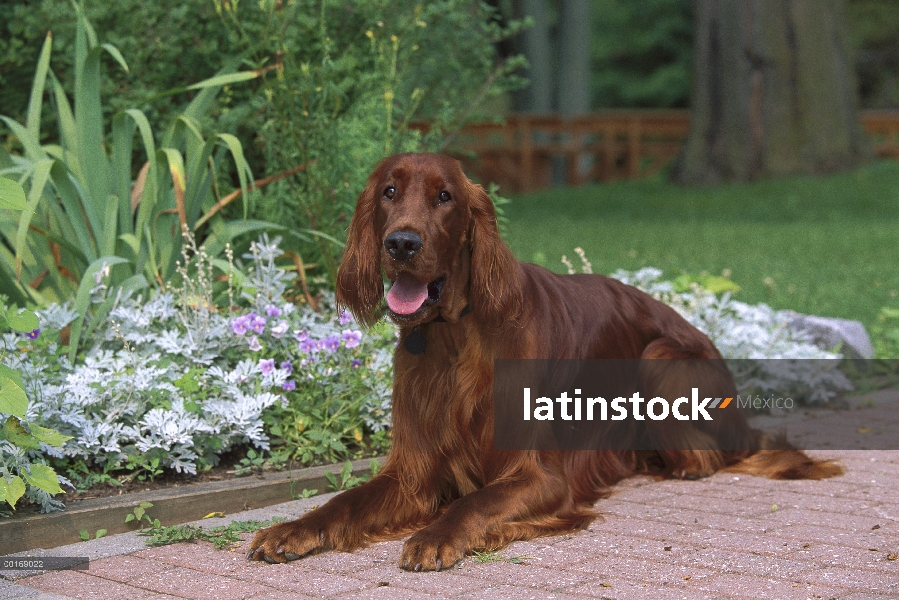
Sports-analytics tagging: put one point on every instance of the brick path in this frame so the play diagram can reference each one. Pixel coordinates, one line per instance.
(722, 537)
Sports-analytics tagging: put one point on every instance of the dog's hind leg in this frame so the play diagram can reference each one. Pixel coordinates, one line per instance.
(689, 445)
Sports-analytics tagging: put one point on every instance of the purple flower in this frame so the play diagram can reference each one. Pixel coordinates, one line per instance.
(308, 345)
(331, 343)
(287, 367)
(239, 325)
(289, 385)
(351, 338)
(356, 363)
(280, 329)
(257, 323)
(33, 335)
(345, 318)
(273, 311)
(267, 365)
(301, 335)
(255, 346)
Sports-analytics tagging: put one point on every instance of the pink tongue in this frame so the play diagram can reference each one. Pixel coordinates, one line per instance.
(407, 295)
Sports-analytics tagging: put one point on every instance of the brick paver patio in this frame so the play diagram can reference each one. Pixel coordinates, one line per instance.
(723, 537)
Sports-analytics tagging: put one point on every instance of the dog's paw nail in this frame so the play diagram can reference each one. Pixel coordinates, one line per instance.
(321, 537)
(417, 567)
(439, 564)
(291, 555)
(280, 550)
(251, 553)
(405, 564)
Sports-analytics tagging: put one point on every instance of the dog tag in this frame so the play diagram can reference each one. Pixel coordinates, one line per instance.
(415, 342)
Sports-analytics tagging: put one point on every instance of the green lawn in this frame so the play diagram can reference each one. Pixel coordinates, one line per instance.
(826, 246)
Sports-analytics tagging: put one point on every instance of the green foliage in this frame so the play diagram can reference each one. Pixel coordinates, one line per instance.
(258, 462)
(885, 333)
(12, 196)
(145, 467)
(324, 420)
(84, 479)
(20, 469)
(169, 44)
(346, 96)
(874, 31)
(642, 53)
(85, 212)
(86, 536)
(139, 514)
(220, 537)
(306, 493)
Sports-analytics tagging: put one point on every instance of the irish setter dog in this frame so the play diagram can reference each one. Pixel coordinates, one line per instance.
(462, 300)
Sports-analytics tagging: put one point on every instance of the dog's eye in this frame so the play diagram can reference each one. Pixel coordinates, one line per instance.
(389, 192)
(445, 196)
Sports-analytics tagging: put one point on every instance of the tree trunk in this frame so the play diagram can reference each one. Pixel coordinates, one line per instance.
(773, 94)
(574, 58)
(536, 46)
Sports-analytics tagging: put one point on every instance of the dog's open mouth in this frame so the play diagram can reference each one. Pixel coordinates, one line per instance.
(408, 295)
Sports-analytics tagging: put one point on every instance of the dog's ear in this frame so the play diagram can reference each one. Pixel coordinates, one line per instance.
(359, 283)
(495, 290)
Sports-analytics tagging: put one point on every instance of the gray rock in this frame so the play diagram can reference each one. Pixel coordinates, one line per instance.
(827, 333)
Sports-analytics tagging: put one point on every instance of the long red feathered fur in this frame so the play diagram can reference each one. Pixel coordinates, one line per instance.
(443, 480)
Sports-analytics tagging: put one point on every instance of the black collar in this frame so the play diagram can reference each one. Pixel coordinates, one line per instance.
(415, 342)
(440, 319)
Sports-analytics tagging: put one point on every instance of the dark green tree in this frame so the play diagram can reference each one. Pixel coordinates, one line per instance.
(642, 53)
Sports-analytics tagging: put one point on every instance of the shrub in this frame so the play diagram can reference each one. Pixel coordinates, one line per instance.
(85, 208)
(169, 383)
(169, 44)
(344, 82)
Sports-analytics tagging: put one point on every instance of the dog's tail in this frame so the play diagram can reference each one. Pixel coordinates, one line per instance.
(777, 459)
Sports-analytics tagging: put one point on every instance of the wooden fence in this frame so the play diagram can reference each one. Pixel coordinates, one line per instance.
(530, 151)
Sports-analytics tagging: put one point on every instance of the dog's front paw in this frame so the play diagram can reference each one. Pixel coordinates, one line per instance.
(431, 551)
(286, 541)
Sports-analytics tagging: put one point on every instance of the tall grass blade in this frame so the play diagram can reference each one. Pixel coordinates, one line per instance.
(221, 80)
(71, 217)
(176, 169)
(30, 143)
(38, 182)
(35, 102)
(244, 174)
(89, 124)
(65, 121)
(107, 242)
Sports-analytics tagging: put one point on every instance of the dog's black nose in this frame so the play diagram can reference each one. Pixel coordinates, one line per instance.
(402, 245)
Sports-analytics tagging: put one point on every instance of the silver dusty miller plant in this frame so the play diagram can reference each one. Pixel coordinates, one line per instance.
(167, 379)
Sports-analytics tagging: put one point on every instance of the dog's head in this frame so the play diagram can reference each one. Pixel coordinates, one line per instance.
(433, 233)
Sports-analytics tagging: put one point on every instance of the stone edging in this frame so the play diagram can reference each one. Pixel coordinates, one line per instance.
(171, 506)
